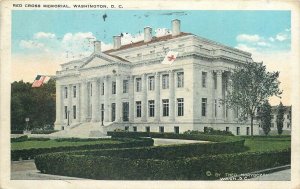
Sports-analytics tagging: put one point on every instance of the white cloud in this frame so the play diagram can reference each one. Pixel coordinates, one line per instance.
(245, 47)
(29, 44)
(271, 39)
(281, 37)
(263, 44)
(162, 32)
(248, 38)
(129, 38)
(41, 35)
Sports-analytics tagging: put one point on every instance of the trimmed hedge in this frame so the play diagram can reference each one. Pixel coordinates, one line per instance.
(26, 138)
(204, 137)
(206, 167)
(126, 143)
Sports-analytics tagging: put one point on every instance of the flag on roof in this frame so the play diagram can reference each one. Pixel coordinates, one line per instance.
(170, 57)
(39, 81)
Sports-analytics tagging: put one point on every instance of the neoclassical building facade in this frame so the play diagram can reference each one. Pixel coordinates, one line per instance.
(129, 88)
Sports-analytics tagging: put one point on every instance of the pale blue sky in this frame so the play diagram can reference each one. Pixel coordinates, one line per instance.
(260, 28)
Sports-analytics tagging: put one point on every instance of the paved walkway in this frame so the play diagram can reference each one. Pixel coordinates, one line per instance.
(164, 141)
(26, 170)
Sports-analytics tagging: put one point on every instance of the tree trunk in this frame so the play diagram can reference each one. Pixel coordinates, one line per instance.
(252, 126)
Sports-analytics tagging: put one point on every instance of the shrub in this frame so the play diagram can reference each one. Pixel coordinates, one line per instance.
(204, 137)
(16, 132)
(210, 131)
(31, 153)
(19, 139)
(119, 168)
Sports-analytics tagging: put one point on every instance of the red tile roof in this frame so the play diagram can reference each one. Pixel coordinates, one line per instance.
(140, 43)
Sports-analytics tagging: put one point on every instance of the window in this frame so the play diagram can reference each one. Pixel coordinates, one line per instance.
(113, 87)
(102, 112)
(151, 52)
(125, 107)
(113, 111)
(125, 86)
(148, 129)
(102, 89)
(216, 108)
(74, 91)
(134, 129)
(66, 112)
(176, 130)
(126, 128)
(138, 108)
(204, 103)
(180, 106)
(74, 112)
(238, 131)
(66, 92)
(227, 129)
(288, 125)
(165, 81)
(165, 103)
(138, 84)
(215, 80)
(204, 78)
(151, 108)
(248, 131)
(151, 83)
(180, 79)
(161, 129)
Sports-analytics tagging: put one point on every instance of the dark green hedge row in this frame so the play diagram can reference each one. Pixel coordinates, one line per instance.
(16, 132)
(126, 143)
(171, 151)
(207, 167)
(26, 138)
(204, 137)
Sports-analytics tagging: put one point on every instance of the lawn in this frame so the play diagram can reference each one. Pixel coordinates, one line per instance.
(267, 143)
(54, 143)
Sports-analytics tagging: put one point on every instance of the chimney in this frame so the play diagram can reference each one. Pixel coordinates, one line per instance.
(147, 34)
(117, 42)
(97, 46)
(175, 27)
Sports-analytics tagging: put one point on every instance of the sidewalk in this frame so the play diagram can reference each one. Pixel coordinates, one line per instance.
(284, 175)
(26, 170)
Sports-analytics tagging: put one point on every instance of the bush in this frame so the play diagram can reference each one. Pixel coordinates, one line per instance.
(19, 139)
(31, 153)
(210, 131)
(43, 131)
(16, 132)
(202, 167)
(200, 136)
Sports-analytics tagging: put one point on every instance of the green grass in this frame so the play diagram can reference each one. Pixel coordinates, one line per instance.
(267, 143)
(54, 143)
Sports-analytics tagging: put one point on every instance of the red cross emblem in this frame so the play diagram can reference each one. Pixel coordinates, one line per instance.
(170, 58)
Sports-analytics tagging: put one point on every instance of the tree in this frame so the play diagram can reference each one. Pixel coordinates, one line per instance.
(280, 118)
(38, 104)
(266, 117)
(250, 86)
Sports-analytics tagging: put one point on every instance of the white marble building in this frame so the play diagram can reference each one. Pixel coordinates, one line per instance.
(128, 88)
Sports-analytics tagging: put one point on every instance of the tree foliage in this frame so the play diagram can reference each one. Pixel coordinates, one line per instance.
(250, 86)
(37, 104)
(280, 118)
(266, 117)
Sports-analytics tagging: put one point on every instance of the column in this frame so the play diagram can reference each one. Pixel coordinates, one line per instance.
(144, 98)
(211, 89)
(119, 86)
(78, 118)
(106, 99)
(172, 96)
(131, 98)
(94, 100)
(230, 111)
(157, 97)
(219, 95)
(83, 101)
(59, 107)
(70, 105)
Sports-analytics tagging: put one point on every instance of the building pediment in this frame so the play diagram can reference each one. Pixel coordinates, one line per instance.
(102, 59)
